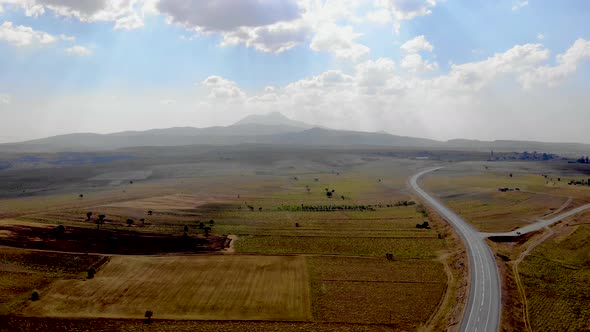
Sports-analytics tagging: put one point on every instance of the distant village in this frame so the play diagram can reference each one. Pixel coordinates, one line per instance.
(523, 156)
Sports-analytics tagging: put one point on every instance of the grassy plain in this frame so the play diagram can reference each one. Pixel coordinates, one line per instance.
(471, 189)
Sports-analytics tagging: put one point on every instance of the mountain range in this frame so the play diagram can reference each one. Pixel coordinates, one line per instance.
(271, 128)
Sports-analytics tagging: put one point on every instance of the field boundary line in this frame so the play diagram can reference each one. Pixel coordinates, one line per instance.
(519, 284)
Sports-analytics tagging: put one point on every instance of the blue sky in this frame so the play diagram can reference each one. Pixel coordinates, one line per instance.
(429, 68)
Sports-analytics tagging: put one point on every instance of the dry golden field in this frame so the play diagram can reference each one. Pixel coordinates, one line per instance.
(195, 287)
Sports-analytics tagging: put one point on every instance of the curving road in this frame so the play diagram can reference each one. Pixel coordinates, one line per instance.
(482, 312)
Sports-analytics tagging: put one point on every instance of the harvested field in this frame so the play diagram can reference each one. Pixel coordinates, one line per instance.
(419, 247)
(18, 323)
(370, 290)
(168, 202)
(556, 277)
(196, 287)
(22, 271)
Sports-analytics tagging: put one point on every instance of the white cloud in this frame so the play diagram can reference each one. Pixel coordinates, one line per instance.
(519, 5)
(374, 75)
(20, 35)
(540, 36)
(79, 51)
(374, 96)
(5, 99)
(223, 90)
(228, 15)
(406, 10)
(417, 44)
(339, 40)
(275, 38)
(473, 76)
(567, 64)
(121, 12)
(414, 63)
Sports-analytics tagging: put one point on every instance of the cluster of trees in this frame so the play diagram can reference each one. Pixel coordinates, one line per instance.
(505, 189)
(423, 225)
(579, 182)
(583, 160)
(523, 156)
(326, 208)
(402, 203)
(101, 219)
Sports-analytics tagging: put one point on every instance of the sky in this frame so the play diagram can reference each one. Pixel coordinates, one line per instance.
(440, 69)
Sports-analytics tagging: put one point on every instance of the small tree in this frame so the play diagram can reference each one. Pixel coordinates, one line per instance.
(88, 215)
(150, 212)
(185, 229)
(35, 296)
(81, 195)
(59, 230)
(129, 222)
(201, 225)
(329, 194)
(211, 222)
(207, 230)
(100, 220)
(142, 220)
(91, 273)
(148, 315)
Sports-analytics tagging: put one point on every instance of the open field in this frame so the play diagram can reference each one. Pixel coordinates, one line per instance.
(364, 290)
(471, 189)
(297, 254)
(22, 271)
(204, 287)
(556, 277)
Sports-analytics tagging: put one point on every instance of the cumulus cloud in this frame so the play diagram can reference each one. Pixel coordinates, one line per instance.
(540, 36)
(275, 38)
(79, 51)
(417, 44)
(413, 61)
(121, 12)
(567, 64)
(404, 10)
(519, 5)
(223, 90)
(228, 15)
(340, 40)
(373, 93)
(21, 36)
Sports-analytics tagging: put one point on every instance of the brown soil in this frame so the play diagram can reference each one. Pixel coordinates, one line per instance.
(15, 323)
(105, 241)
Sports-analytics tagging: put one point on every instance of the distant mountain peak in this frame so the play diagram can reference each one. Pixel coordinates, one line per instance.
(272, 119)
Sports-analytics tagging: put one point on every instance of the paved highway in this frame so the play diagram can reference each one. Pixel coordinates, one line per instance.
(541, 223)
(482, 312)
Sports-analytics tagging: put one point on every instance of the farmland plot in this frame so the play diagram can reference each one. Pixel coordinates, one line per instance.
(205, 287)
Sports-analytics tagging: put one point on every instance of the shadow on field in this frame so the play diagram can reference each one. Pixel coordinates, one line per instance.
(104, 241)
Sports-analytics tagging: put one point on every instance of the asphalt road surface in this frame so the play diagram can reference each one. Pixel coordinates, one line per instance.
(541, 223)
(483, 306)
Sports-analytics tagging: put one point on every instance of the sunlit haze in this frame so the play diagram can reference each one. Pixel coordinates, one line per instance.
(435, 69)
